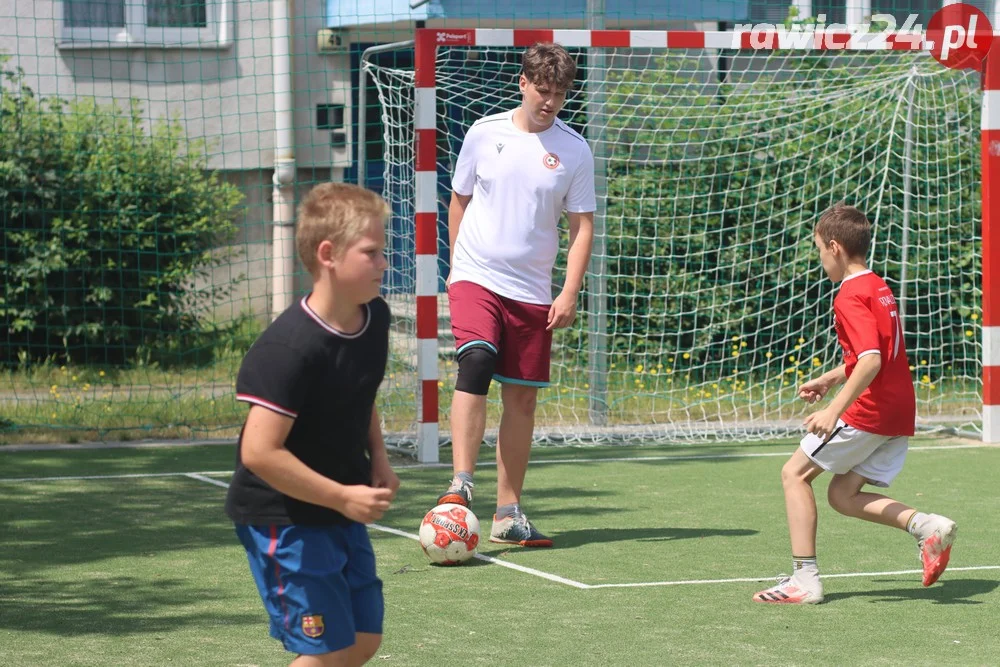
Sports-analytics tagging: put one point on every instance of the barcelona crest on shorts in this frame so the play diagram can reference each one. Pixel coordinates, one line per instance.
(312, 625)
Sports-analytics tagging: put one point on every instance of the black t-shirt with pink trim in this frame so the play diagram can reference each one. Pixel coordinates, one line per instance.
(324, 379)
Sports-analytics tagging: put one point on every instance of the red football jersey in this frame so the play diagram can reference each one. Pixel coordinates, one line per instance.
(867, 322)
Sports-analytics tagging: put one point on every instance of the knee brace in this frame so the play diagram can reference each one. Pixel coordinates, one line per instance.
(475, 370)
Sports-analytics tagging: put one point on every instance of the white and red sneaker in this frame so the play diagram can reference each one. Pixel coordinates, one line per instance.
(790, 591)
(935, 546)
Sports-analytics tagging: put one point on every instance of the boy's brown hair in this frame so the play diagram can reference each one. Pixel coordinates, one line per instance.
(847, 226)
(548, 63)
(335, 212)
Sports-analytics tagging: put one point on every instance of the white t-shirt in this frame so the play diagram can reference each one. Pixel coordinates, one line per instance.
(520, 184)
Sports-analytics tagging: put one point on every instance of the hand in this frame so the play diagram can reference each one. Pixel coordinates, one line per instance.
(562, 312)
(814, 390)
(383, 476)
(822, 423)
(365, 503)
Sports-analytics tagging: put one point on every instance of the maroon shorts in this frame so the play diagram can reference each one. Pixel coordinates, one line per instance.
(513, 329)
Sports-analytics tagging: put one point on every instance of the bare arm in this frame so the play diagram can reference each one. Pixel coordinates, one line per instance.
(867, 368)
(263, 452)
(376, 441)
(835, 377)
(581, 240)
(816, 389)
(383, 476)
(456, 211)
(824, 422)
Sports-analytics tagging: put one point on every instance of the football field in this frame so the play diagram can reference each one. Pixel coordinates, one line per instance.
(124, 557)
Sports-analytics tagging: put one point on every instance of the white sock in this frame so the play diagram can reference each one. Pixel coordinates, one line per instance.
(915, 524)
(805, 570)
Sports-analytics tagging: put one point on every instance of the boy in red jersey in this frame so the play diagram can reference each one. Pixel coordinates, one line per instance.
(861, 436)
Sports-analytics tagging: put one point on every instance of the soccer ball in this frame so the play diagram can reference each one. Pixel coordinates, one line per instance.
(449, 534)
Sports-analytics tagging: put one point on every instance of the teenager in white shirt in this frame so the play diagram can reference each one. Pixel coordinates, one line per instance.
(516, 173)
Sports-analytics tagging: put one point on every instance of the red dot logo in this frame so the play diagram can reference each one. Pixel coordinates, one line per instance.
(550, 160)
(959, 36)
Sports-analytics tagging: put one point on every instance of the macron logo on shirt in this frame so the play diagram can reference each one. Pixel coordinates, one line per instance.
(499, 148)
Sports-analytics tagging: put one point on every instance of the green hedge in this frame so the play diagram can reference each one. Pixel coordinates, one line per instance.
(107, 224)
(713, 196)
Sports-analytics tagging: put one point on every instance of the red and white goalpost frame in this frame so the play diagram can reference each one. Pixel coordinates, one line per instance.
(991, 245)
(425, 152)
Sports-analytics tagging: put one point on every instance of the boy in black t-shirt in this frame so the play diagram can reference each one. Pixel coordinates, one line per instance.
(311, 465)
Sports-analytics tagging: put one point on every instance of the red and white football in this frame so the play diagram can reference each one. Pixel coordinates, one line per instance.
(449, 534)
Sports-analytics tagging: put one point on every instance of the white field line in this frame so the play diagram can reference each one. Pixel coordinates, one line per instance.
(202, 477)
(401, 533)
(681, 582)
(137, 475)
(485, 464)
(490, 559)
(207, 480)
(683, 457)
(686, 582)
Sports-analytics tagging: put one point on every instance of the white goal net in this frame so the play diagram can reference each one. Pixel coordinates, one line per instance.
(706, 305)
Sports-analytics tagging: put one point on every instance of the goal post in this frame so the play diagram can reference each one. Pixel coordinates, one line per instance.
(709, 223)
(990, 193)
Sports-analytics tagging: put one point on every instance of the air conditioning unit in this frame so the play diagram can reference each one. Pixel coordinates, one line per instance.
(331, 41)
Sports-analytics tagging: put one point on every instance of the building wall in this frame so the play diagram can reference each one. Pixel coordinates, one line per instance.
(224, 96)
(247, 268)
(221, 95)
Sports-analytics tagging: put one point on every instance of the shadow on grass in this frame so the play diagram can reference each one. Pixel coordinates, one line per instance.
(125, 460)
(119, 557)
(422, 564)
(60, 524)
(946, 591)
(576, 538)
(102, 604)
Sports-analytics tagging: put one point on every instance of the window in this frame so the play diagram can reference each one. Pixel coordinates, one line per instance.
(116, 23)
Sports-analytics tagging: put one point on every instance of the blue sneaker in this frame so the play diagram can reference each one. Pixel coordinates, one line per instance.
(517, 530)
(459, 493)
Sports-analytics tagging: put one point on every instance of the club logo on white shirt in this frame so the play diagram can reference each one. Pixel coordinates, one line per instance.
(551, 160)
(499, 148)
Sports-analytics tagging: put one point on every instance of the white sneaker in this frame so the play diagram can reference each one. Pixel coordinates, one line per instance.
(936, 535)
(790, 591)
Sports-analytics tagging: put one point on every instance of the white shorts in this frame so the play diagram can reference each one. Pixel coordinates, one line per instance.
(877, 458)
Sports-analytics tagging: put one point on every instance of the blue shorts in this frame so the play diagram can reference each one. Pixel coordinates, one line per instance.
(318, 584)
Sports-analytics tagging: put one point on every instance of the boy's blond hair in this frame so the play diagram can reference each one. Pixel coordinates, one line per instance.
(548, 63)
(847, 226)
(336, 212)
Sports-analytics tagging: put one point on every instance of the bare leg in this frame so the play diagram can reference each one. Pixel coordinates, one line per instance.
(468, 425)
(364, 649)
(514, 445)
(846, 497)
(800, 503)
(335, 659)
(804, 586)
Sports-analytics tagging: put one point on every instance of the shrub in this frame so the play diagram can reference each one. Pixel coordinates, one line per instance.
(106, 227)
